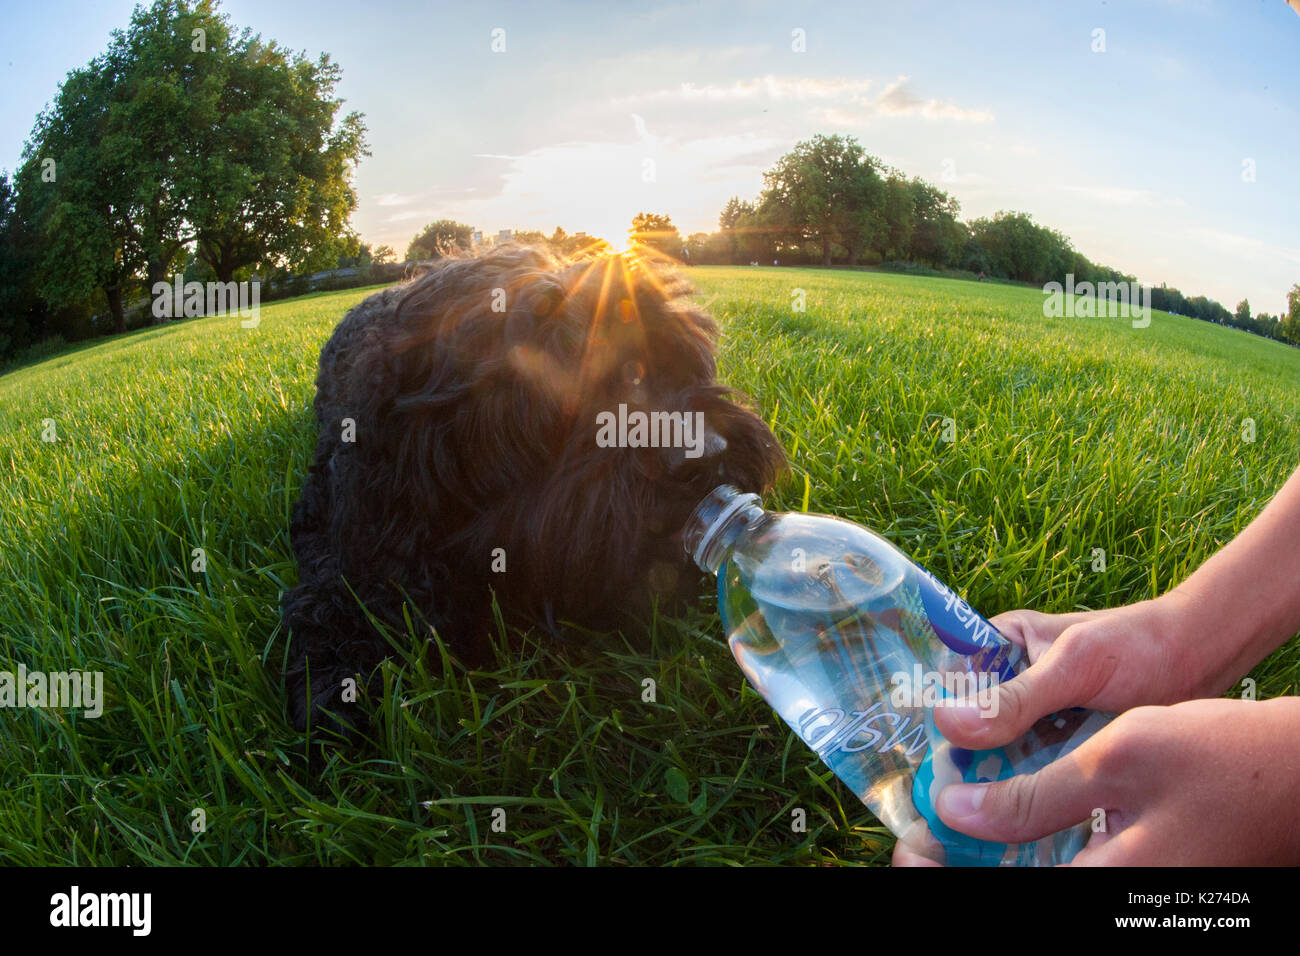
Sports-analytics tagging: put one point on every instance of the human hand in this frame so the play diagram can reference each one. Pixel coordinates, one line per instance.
(1108, 660)
(1199, 783)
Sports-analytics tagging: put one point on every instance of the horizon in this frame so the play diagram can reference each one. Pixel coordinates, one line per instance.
(1142, 153)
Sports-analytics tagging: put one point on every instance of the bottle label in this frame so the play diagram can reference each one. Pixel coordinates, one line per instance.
(830, 731)
(958, 625)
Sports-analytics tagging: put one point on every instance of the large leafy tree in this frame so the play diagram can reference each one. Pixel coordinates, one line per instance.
(77, 189)
(826, 190)
(276, 186)
(164, 113)
(1242, 314)
(181, 132)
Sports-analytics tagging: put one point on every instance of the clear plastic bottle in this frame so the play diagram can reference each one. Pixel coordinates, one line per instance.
(852, 643)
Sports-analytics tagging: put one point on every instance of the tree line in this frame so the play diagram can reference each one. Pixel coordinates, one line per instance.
(829, 202)
(186, 147)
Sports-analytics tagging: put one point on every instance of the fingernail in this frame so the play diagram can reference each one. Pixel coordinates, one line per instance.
(968, 717)
(962, 799)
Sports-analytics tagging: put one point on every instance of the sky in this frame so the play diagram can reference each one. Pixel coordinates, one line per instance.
(1161, 136)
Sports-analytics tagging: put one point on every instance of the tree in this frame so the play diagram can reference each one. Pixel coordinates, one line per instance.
(163, 99)
(438, 238)
(183, 132)
(384, 255)
(1242, 314)
(938, 236)
(532, 237)
(21, 312)
(826, 190)
(277, 183)
(899, 215)
(1289, 326)
(76, 187)
(657, 233)
(1020, 249)
(698, 251)
(736, 217)
(733, 211)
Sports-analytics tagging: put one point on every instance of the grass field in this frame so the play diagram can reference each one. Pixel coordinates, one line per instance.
(1070, 435)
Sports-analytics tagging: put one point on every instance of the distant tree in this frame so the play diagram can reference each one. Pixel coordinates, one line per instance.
(438, 238)
(1169, 300)
(576, 245)
(1018, 248)
(1289, 327)
(652, 231)
(355, 254)
(385, 254)
(1242, 314)
(974, 257)
(532, 237)
(938, 236)
(826, 190)
(899, 213)
(736, 218)
(697, 248)
(733, 212)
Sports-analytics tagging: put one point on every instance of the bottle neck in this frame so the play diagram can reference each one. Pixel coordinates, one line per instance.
(716, 523)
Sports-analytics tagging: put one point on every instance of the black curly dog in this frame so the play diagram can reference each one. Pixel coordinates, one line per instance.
(458, 457)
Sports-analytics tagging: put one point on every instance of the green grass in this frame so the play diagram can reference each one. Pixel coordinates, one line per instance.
(1071, 434)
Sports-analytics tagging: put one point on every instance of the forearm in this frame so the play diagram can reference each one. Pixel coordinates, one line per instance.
(1245, 600)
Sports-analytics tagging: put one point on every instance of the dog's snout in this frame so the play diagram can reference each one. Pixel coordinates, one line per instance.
(698, 448)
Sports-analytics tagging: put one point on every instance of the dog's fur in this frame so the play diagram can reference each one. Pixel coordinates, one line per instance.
(474, 391)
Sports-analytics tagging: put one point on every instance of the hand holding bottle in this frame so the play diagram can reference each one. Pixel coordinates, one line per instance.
(1200, 783)
(1108, 660)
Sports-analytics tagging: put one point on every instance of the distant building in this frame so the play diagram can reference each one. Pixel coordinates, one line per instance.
(504, 235)
(478, 236)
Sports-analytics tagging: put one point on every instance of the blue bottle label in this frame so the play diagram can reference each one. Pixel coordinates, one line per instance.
(958, 624)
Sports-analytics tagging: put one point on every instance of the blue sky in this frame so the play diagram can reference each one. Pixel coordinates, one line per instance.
(1137, 153)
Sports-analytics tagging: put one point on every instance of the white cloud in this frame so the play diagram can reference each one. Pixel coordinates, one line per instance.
(897, 99)
(853, 98)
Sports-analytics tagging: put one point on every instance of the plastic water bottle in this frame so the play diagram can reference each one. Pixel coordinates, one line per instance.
(853, 644)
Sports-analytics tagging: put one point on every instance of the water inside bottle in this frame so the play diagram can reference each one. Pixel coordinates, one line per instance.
(821, 623)
(821, 631)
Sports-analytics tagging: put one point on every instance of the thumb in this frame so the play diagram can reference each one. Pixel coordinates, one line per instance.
(1026, 807)
(1010, 708)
